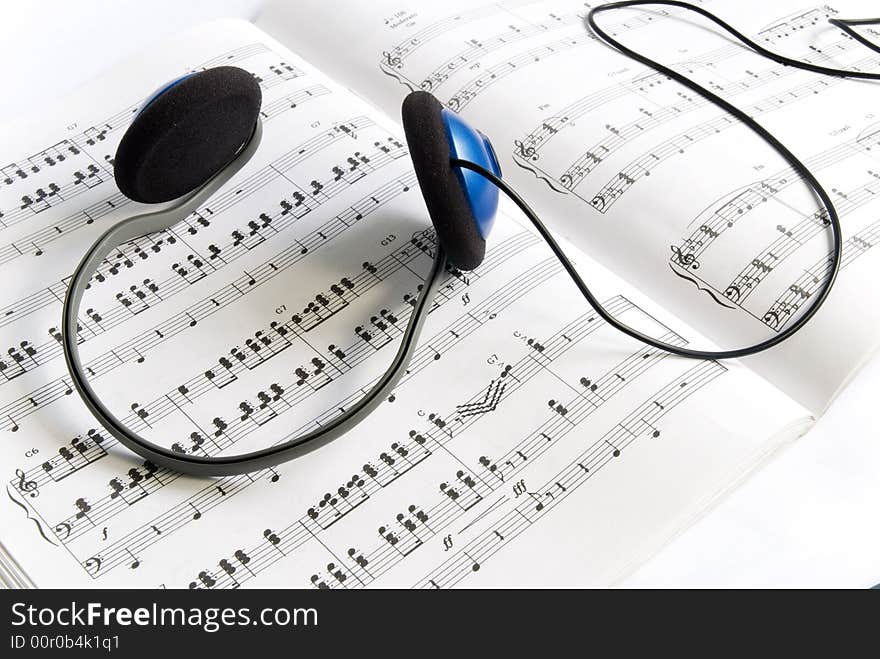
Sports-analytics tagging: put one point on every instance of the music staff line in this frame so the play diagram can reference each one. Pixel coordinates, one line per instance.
(511, 34)
(444, 340)
(790, 300)
(392, 61)
(35, 243)
(442, 430)
(103, 508)
(244, 238)
(619, 136)
(556, 489)
(457, 496)
(152, 293)
(791, 240)
(396, 57)
(125, 258)
(714, 221)
(118, 120)
(619, 184)
(528, 149)
(785, 246)
(66, 154)
(69, 461)
(396, 547)
(23, 168)
(138, 347)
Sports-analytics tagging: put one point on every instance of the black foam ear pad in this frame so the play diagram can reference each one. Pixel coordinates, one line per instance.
(445, 198)
(187, 134)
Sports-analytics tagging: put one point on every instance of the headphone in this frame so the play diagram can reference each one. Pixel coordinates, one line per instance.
(194, 133)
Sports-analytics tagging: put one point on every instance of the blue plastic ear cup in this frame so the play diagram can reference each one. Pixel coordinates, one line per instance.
(466, 143)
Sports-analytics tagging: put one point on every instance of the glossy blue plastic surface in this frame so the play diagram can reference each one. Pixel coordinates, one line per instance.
(164, 88)
(467, 143)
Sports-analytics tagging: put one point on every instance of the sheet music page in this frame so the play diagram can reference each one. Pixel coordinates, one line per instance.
(272, 308)
(661, 187)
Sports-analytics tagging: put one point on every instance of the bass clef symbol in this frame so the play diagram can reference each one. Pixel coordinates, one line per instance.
(64, 528)
(93, 563)
(26, 486)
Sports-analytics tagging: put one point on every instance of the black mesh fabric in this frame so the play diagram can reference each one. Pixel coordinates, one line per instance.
(441, 187)
(187, 134)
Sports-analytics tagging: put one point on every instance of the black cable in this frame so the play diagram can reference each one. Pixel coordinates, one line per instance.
(846, 24)
(796, 164)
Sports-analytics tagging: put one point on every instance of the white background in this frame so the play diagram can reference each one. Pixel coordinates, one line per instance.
(807, 519)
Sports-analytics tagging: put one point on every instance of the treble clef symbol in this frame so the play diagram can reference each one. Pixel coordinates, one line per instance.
(391, 60)
(684, 259)
(27, 486)
(525, 151)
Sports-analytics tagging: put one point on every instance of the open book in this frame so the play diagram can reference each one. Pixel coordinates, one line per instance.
(528, 443)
